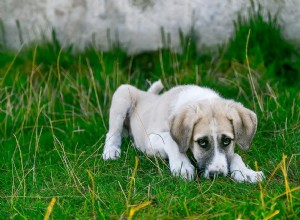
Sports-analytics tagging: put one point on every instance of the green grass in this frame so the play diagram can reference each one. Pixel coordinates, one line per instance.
(54, 114)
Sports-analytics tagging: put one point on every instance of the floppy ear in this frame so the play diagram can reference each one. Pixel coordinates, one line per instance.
(244, 124)
(182, 126)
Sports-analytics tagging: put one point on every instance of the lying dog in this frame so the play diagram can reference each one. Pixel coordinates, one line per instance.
(185, 117)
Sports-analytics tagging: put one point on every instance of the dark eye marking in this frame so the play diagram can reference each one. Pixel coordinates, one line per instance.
(203, 142)
(226, 141)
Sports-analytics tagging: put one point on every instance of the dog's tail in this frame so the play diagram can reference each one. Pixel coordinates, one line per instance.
(156, 87)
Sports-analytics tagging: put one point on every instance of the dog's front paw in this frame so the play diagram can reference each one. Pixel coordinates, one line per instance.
(111, 153)
(184, 169)
(247, 175)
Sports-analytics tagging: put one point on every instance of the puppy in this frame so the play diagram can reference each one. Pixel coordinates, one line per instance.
(185, 117)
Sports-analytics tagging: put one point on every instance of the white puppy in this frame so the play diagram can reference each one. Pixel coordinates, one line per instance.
(185, 117)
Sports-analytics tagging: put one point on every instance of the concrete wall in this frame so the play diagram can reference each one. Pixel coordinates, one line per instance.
(136, 24)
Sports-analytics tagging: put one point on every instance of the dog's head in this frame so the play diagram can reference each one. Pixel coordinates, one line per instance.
(210, 129)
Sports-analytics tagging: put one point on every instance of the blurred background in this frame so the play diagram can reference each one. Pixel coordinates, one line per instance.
(137, 25)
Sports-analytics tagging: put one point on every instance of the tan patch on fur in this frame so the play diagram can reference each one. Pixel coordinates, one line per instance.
(244, 123)
(233, 120)
(217, 111)
(182, 126)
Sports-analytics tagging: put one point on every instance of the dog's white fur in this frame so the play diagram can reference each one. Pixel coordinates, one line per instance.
(185, 117)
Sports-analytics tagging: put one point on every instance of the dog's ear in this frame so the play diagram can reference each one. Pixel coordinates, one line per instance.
(182, 125)
(244, 124)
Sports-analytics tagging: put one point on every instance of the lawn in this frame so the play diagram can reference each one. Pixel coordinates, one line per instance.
(54, 107)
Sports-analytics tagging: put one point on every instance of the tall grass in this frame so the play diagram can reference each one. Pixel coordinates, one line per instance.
(54, 113)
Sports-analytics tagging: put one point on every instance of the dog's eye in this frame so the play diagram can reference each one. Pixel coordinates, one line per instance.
(226, 141)
(203, 142)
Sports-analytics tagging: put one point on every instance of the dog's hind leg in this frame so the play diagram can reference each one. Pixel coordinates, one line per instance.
(123, 100)
(156, 87)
